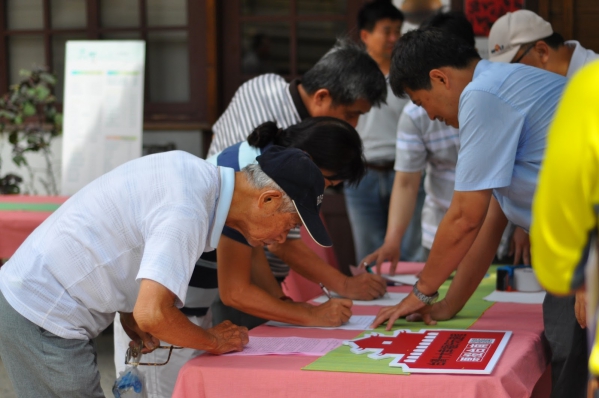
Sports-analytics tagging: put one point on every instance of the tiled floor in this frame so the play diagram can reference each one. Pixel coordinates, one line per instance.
(105, 363)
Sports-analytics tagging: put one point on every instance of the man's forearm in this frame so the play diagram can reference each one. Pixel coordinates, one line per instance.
(402, 204)
(305, 262)
(476, 263)
(262, 275)
(255, 301)
(455, 236)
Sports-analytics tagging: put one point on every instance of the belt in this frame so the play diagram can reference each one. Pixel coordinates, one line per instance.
(381, 166)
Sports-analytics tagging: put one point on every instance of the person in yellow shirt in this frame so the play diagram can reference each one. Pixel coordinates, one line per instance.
(566, 204)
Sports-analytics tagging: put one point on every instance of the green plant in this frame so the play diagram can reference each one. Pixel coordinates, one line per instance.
(29, 117)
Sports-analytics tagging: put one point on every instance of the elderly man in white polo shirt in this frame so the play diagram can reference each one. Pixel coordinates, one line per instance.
(128, 243)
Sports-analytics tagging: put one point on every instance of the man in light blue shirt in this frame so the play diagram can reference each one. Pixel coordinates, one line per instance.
(502, 112)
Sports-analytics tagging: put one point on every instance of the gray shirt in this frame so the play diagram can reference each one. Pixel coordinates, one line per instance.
(378, 127)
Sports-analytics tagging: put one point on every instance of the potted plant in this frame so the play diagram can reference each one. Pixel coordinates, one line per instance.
(28, 115)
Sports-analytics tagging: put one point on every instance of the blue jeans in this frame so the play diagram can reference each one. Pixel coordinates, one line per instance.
(368, 210)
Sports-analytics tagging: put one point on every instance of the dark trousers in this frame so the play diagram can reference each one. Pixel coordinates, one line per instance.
(568, 343)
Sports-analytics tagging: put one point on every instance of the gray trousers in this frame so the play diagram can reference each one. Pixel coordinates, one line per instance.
(568, 343)
(41, 364)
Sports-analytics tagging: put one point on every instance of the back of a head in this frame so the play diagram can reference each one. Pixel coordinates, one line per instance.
(376, 10)
(516, 28)
(453, 22)
(419, 51)
(349, 74)
(333, 144)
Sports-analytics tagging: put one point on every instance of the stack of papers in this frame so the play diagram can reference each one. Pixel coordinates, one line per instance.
(390, 298)
(516, 297)
(356, 322)
(288, 346)
(405, 279)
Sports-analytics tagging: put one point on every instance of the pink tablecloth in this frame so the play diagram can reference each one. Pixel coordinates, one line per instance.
(521, 369)
(15, 226)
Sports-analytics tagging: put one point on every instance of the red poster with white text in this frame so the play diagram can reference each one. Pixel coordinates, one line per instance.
(436, 351)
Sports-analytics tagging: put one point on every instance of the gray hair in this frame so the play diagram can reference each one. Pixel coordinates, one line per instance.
(349, 74)
(259, 180)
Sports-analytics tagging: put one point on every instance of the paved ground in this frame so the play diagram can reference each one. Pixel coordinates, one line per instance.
(105, 362)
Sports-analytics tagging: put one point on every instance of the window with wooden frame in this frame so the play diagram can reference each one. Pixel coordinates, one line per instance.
(34, 32)
(279, 36)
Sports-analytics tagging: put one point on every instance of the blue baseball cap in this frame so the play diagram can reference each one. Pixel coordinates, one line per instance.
(297, 175)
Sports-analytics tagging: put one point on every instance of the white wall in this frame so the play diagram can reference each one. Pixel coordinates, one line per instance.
(190, 141)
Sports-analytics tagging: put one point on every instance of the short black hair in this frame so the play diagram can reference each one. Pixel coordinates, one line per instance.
(419, 51)
(453, 22)
(333, 144)
(349, 74)
(554, 41)
(372, 12)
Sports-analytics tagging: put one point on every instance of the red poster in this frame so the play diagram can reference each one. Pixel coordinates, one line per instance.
(436, 351)
(483, 13)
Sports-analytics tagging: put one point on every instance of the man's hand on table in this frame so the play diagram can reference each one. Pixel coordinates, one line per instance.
(440, 311)
(363, 287)
(387, 252)
(228, 337)
(334, 312)
(520, 247)
(409, 305)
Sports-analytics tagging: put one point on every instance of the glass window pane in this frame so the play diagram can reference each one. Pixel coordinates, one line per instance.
(265, 48)
(24, 14)
(24, 52)
(265, 7)
(121, 36)
(167, 12)
(321, 6)
(119, 13)
(314, 39)
(68, 14)
(168, 66)
(58, 57)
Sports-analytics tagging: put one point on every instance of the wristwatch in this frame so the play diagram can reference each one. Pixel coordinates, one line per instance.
(428, 300)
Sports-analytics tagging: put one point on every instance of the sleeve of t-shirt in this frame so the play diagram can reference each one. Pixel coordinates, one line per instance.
(490, 130)
(174, 240)
(410, 151)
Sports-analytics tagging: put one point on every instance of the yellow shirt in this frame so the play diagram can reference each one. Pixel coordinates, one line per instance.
(566, 202)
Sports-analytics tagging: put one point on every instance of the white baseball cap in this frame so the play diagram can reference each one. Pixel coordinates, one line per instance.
(512, 30)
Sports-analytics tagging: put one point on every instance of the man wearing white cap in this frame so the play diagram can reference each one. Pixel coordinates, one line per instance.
(524, 37)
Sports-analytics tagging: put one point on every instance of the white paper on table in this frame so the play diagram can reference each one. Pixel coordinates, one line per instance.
(390, 298)
(356, 322)
(516, 297)
(288, 346)
(407, 279)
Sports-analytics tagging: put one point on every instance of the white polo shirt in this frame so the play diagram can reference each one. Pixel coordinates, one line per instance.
(149, 218)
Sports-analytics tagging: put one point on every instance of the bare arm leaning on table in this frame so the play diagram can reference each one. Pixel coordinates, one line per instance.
(237, 290)
(401, 208)
(455, 236)
(155, 317)
(305, 262)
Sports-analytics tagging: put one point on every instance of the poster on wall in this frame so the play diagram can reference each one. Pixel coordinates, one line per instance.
(483, 13)
(103, 109)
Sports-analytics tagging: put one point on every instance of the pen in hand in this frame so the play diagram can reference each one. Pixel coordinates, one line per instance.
(325, 290)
